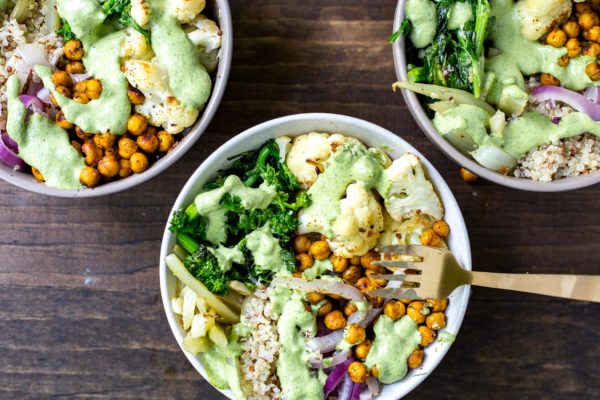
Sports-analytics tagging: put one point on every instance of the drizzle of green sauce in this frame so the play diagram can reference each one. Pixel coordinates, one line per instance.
(227, 256)
(423, 18)
(42, 143)
(187, 76)
(393, 344)
(319, 268)
(266, 250)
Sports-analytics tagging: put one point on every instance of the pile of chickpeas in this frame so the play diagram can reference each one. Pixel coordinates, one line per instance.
(359, 272)
(580, 35)
(107, 156)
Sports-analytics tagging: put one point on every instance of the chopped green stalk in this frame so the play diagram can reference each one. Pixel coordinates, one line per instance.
(417, 75)
(187, 242)
(181, 272)
(482, 16)
(403, 30)
(192, 212)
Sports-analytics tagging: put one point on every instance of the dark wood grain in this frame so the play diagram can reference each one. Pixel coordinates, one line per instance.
(80, 310)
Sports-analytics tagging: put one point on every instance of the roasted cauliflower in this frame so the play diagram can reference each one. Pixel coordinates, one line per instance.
(186, 10)
(206, 36)
(539, 17)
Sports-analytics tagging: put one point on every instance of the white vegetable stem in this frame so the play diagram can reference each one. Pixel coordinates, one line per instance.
(320, 286)
(181, 272)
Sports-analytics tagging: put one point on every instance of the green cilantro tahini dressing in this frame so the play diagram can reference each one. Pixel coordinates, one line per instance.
(102, 46)
(265, 250)
(423, 18)
(187, 76)
(393, 344)
(42, 143)
(293, 368)
(227, 256)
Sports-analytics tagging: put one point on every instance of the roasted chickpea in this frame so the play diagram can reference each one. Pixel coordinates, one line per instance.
(325, 309)
(135, 96)
(93, 153)
(430, 238)
(108, 166)
(415, 359)
(394, 310)
(406, 301)
(594, 33)
(591, 49)
(358, 372)
(582, 7)
(588, 19)
(593, 71)
(351, 275)
(441, 228)
(362, 350)
(65, 91)
(93, 89)
(76, 145)
(89, 177)
(319, 250)
(417, 311)
(436, 321)
(467, 175)
(301, 244)
(165, 141)
(37, 174)
(437, 305)
(127, 147)
(335, 320)
(349, 309)
(81, 98)
(112, 153)
(368, 259)
(137, 124)
(364, 284)
(61, 78)
(563, 61)
(315, 297)
(124, 168)
(427, 335)
(147, 142)
(375, 371)
(139, 162)
(80, 87)
(376, 302)
(75, 67)
(81, 134)
(571, 28)
(304, 261)
(355, 334)
(549, 79)
(105, 140)
(62, 121)
(297, 274)
(374, 281)
(355, 260)
(339, 263)
(557, 37)
(73, 50)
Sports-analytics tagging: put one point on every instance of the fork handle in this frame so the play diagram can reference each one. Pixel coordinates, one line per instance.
(577, 287)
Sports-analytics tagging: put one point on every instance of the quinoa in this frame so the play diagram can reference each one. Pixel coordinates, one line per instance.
(260, 349)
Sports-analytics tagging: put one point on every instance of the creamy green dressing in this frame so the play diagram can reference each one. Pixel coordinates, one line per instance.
(352, 162)
(320, 267)
(42, 143)
(222, 369)
(102, 44)
(460, 13)
(393, 344)
(423, 18)
(187, 76)
(209, 205)
(227, 256)
(297, 380)
(265, 250)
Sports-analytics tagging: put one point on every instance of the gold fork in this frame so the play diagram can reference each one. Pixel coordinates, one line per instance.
(425, 272)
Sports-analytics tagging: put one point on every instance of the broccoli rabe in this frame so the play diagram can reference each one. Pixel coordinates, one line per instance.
(65, 31)
(204, 266)
(122, 9)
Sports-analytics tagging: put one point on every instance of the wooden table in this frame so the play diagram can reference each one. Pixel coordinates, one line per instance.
(80, 309)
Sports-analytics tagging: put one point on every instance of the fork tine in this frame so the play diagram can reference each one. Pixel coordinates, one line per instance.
(395, 293)
(394, 264)
(390, 277)
(408, 249)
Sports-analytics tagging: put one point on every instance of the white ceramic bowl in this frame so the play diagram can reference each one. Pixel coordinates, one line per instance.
(215, 9)
(371, 135)
(418, 112)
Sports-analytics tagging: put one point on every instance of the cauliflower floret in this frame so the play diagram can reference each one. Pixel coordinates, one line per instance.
(539, 17)
(405, 232)
(310, 151)
(160, 107)
(135, 46)
(206, 36)
(409, 192)
(359, 223)
(186, 10)
(140, 12)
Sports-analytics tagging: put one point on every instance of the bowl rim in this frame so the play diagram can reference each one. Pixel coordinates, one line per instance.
(402, 387)
(27, 182)
(420, 116)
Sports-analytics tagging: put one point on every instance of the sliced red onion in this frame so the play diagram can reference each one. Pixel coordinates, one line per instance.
(552, 103)
(8, 141)
(44, 95)
(345, 392)
(23, 71)
(320, 286)
(33, 54)
(340, 357)
(336, 376)
(573, 99)
(9, 158)
(366, 395)
(356, 391)
(32, 103)
(593, 94)
(556, 120)
(80, 77)
(373, 385)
